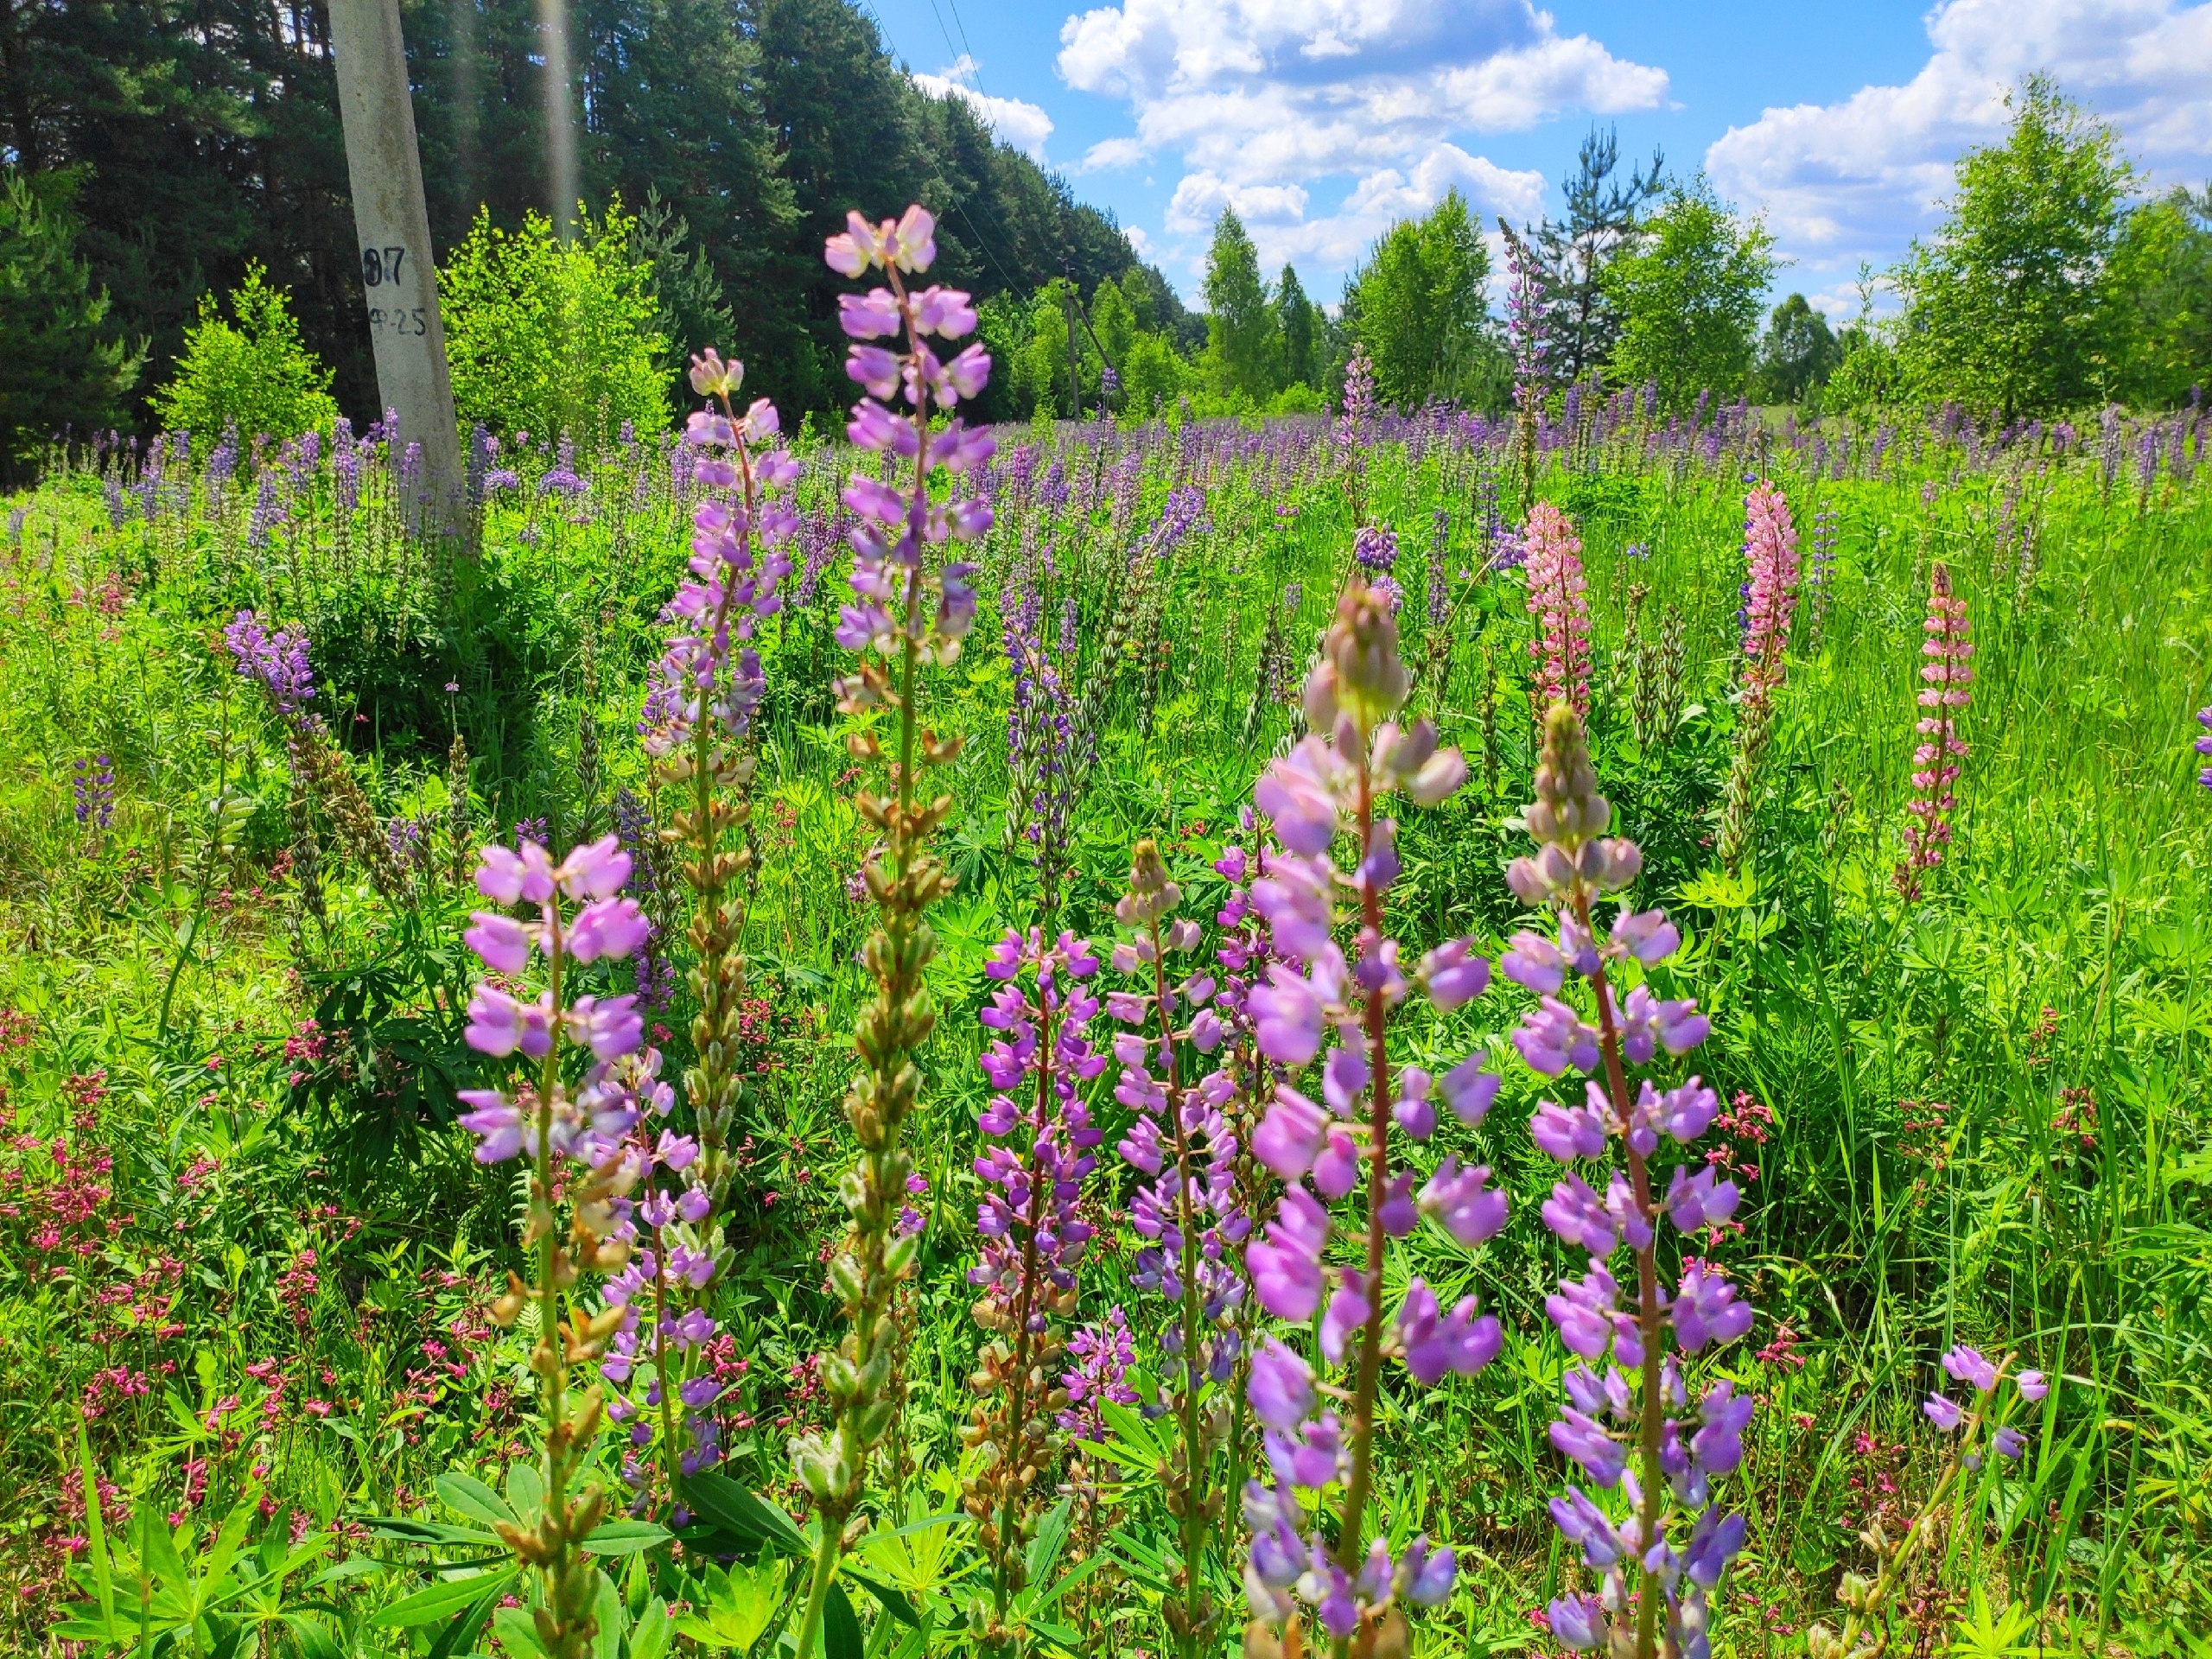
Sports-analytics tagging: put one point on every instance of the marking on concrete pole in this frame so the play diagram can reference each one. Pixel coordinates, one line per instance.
(399, 277)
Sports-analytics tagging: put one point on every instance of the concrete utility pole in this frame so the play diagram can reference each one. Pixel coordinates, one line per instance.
(398, 274)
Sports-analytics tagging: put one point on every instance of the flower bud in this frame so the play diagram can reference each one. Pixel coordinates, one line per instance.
(1362, 645)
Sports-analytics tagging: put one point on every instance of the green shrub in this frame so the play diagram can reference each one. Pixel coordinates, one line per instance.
(62, 364)
(255, 373)
(551, 338)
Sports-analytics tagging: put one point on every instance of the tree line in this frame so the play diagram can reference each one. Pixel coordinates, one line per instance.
(154, 150)
(2054, 283)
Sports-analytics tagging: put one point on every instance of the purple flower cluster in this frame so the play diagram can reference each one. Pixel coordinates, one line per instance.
(93, 782)
(1969, 1365)
(891, 582)
(1103, 1351)
(1326, 785)
(732, 586)
(1527, 330)
(587, 1123)
(277, 662)
(1186, 1209)
(1627, 1433)
(2203, 745)
(1374, 550)
(1033, 1233)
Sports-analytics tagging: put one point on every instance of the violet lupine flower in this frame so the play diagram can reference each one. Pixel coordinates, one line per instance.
(1558, 599)
(892, 585)
(907, 612)
(2203, 745)
(1357, 411)
(1527, 331)
(93, 782)
(277, 662)
(739, 556)
(1374, 550)
(1324, 786)
(664, 1326)
(1186, 1208)
(1048, 752)
(1947, 677)
(1103, 1351)
(1597, 1314)
(1986, 1377)
(1032, 1230)
(583, 1124)
(268, 512)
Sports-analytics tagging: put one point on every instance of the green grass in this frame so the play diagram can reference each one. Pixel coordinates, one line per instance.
(2052, 995)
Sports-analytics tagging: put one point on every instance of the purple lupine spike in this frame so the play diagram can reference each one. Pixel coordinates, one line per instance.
(1323, 787)
(1598, 1315)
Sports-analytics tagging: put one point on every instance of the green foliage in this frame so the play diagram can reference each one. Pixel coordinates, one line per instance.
(2005, 307)
(255, 373)
(1795, 356)
(64, 364)
(1605, 213)
(1986, 1108)
(2161, 294)
(1417, 306)
(692, 314)
(1688, 296)
(556, 339)
(1154, 376)
(1295, 315)
(1044, 373)
(1242, 357)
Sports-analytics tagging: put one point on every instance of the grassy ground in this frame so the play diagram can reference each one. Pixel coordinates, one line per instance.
(243, 1242)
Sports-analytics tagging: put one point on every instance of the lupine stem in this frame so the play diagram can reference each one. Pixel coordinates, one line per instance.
(1018, 1409)
(554, 1374)
(670, 1462)
(897, 927)
(1378, 1183)
(1650, 1427)
(1194, 1456)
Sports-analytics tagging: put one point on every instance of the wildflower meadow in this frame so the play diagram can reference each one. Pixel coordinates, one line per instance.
(1385, 1032)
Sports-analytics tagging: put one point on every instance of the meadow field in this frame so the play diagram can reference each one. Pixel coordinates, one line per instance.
(264, 1383)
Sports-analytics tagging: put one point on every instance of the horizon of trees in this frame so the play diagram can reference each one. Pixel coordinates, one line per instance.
(139, 182)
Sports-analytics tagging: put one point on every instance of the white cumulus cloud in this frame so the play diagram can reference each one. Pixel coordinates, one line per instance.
(1264, 100)
(1024, 125)
(1842, 182)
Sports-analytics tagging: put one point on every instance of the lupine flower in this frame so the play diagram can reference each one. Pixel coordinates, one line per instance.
(1769, 592)
(1103, 1351)
(1947, 677)
(1031, 1233)
(1558, 600)
(1374, 550)
(1769, 601)
(278, 663)
(93, 782)
(2204, 745)
(905, 612)
(575, 1135)
(1326, 785)
(1186, 1209)
(1596, 1316)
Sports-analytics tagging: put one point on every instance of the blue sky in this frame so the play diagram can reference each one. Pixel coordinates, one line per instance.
(1322, 121)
